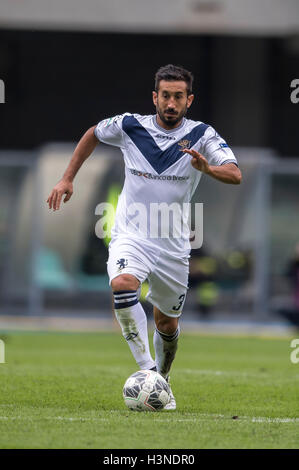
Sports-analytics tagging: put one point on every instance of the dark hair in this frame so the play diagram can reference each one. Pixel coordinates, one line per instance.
(172, 73)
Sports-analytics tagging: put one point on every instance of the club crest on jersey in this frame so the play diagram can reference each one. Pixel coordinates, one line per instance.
(184, 144)
(122, 263)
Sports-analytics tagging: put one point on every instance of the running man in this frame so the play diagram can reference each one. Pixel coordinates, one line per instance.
(165, 155)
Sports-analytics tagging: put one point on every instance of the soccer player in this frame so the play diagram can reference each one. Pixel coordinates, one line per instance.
(165, 155)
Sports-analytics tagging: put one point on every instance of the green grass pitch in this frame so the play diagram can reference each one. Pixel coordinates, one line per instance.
(60, 390)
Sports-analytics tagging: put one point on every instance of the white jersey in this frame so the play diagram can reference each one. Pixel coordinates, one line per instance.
(158, 174)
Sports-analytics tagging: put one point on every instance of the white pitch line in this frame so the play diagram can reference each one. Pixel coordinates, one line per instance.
(222, 372)
(261, 375)
(200, 417)
(51, 418)
(274, 420)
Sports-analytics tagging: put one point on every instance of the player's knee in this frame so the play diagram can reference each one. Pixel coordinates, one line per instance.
(167, 325)
(124, 282)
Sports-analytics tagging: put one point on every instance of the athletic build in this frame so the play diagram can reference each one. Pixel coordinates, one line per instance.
(165, 156)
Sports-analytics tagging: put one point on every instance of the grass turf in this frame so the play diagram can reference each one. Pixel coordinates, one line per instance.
(61, 390)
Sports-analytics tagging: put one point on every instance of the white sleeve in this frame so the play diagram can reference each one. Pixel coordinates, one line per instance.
(215, 149)
(109, 131)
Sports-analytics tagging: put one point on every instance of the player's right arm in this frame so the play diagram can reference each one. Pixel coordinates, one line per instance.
(85, 147)
(109, 131)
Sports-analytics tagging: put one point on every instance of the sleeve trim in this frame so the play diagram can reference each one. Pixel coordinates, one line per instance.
(229, 161)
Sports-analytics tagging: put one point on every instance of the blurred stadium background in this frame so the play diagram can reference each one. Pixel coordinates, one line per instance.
(67, 65)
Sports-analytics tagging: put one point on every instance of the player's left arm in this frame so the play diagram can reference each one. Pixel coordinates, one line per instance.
(227, 173)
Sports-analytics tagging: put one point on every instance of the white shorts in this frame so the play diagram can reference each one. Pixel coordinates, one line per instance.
(167, 276)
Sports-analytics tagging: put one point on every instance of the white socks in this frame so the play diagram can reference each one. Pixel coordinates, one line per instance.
(165, 348)
(133, 322)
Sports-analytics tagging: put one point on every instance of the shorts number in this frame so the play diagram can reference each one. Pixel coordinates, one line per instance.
(181, 300)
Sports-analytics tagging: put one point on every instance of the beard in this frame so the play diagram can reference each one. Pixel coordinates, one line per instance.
(171, 119)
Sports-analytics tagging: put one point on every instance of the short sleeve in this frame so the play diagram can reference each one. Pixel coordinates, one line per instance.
(109, 131)
(216, 150)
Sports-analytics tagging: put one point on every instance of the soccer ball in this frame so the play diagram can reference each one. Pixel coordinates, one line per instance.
(146, 390)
